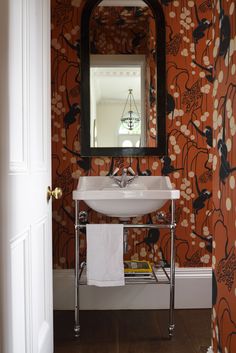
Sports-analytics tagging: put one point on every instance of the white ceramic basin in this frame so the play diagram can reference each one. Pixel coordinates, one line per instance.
(144, 195)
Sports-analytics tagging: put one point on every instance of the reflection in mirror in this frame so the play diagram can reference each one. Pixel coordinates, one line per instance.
(123, 83)
(117, 101)
(122, 58)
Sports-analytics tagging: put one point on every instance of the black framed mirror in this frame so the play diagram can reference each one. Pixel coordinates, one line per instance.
(123, 78)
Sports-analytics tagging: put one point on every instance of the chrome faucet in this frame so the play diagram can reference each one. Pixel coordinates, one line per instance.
(124, 180)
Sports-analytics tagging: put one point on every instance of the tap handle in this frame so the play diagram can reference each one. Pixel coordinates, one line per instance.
(131, 171)
(115, 171)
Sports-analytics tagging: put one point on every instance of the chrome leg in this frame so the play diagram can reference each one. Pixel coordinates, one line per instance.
(172, 271)
(125, 240)
(77, 231)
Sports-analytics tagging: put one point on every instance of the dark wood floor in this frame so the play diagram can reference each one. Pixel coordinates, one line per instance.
(135, 331)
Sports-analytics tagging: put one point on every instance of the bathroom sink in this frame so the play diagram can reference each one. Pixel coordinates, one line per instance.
(143, 195)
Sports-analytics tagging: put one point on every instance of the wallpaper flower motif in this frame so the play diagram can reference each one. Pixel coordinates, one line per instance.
(189, 114)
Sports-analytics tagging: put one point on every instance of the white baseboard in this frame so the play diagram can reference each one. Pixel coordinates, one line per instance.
(193, 290)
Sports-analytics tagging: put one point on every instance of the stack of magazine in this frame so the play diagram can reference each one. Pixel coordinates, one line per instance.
(137, 269)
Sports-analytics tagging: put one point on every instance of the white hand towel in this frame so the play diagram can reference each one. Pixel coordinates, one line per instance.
(105, 264)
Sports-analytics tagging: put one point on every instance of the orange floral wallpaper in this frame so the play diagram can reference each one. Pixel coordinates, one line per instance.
(224, 169)
(190, 78)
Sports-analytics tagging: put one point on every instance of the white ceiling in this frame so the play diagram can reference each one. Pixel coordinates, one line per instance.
(113, 83)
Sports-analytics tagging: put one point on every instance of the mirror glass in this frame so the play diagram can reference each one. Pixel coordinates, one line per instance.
(123, 78)
(117, 102)
(122, 72)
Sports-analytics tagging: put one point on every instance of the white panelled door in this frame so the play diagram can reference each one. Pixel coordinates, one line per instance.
(26, 239)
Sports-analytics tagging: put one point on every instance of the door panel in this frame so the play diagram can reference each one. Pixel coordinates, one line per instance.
(20, 280)
(41, 285)
(39, 92)
(18, 86)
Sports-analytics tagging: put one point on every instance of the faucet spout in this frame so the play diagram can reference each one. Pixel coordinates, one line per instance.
(123, 181)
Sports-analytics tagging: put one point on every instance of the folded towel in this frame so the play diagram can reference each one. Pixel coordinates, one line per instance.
(105, 267)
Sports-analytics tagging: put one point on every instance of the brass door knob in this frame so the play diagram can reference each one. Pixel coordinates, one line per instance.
(56, 193)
